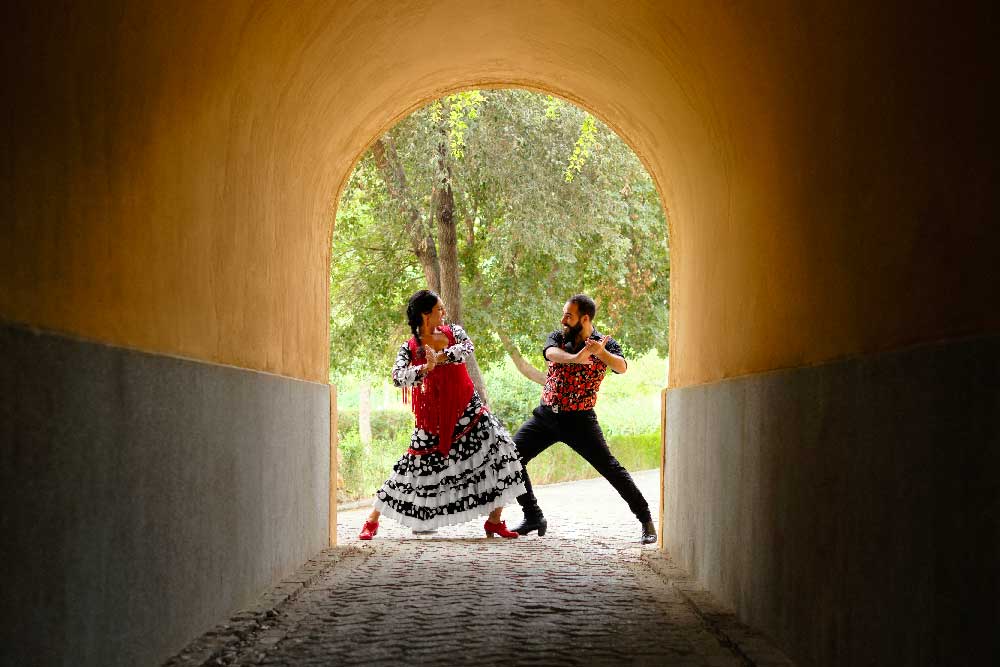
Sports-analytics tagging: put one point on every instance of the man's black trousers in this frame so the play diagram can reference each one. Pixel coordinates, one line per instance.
(578, 429)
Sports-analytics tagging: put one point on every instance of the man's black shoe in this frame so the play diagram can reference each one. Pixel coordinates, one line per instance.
(532, 523)
(648, 533)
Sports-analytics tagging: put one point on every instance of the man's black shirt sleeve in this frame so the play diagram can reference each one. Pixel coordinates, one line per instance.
(614, 348)
(555, 339)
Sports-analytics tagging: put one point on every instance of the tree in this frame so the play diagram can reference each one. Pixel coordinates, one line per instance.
(506, 202)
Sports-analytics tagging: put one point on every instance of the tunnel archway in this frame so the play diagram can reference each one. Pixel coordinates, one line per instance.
(623, 218)
(166, 194)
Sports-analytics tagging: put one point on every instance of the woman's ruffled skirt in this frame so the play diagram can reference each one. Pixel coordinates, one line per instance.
(481, 473)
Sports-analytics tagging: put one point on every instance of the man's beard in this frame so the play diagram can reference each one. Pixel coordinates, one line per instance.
(571, 333)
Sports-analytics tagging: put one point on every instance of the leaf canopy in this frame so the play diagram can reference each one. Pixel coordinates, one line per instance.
(550, 202)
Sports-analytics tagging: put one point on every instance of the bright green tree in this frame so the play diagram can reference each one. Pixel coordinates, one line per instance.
(506, 202)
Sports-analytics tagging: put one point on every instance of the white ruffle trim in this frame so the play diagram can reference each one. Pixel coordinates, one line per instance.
(505, 498)
(460, 474)
(505, 447)
(454, 494)
(462, 481)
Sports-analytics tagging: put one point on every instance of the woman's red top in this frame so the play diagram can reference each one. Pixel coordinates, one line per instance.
(442, 397)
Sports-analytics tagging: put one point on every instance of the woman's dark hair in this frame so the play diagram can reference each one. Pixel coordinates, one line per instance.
(421, 303)
(584, 305)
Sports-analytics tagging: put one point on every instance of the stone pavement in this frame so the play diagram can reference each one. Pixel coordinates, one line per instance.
(585, 594)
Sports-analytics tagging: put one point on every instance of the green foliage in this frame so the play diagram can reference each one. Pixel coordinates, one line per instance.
(512, 396)
(559, 463)
(386, 424)
(362, 474)
(552, 107)
(626, 405)
(528, 236)
(628, 416)
(366, 315)
(628, 408)
(463, 107)
(581, 151)
(362, 470)
(629, 404)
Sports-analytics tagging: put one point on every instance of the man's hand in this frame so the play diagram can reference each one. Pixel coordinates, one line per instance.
(583, 357)
(596, 347)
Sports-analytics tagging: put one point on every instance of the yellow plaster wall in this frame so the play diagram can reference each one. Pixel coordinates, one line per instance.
(170, 171)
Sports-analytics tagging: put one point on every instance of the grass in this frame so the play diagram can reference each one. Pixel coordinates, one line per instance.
(559, 463)
(628, 408)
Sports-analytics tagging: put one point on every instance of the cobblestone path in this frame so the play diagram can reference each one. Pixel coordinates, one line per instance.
(581, 595)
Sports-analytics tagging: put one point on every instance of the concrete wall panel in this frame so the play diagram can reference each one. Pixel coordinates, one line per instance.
(851, 510)
(143, 498)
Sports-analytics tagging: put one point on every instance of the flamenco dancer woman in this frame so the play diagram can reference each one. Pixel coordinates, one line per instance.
(461, 463)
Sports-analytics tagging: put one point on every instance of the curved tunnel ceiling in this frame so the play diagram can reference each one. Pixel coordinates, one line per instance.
(172, 172)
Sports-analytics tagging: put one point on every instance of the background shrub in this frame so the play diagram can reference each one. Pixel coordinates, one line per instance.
(628, 408)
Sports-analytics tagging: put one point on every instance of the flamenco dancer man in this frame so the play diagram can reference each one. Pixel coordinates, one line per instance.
(578, 358)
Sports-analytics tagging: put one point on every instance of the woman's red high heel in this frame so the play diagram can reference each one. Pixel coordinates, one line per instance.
(369, 530)
(498, 529)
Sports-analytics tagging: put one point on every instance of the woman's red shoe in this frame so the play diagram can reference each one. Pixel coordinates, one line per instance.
(498, 529)
(369, 530)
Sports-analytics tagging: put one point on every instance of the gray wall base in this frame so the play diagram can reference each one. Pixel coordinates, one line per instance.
(851, 510)
(146, 497)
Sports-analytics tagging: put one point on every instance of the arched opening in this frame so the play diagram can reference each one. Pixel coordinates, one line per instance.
(551, 202)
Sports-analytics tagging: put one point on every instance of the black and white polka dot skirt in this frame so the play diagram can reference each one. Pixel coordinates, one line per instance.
(481, 473)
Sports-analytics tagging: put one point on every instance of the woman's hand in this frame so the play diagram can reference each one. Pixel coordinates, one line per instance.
(432, 359)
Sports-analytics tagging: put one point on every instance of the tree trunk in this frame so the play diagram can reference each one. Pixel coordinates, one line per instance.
(470, 231)
(522, 364)
(365, 416)
(421, 238)
(447, 236)
(477, 378)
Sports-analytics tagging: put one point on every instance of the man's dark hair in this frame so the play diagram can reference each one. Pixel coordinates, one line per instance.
(584, 305)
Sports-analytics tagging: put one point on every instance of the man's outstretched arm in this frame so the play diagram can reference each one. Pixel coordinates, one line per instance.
(558, 356)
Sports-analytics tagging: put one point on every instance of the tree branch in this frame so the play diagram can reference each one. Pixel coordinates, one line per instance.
(421, 239)
(522, 364)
